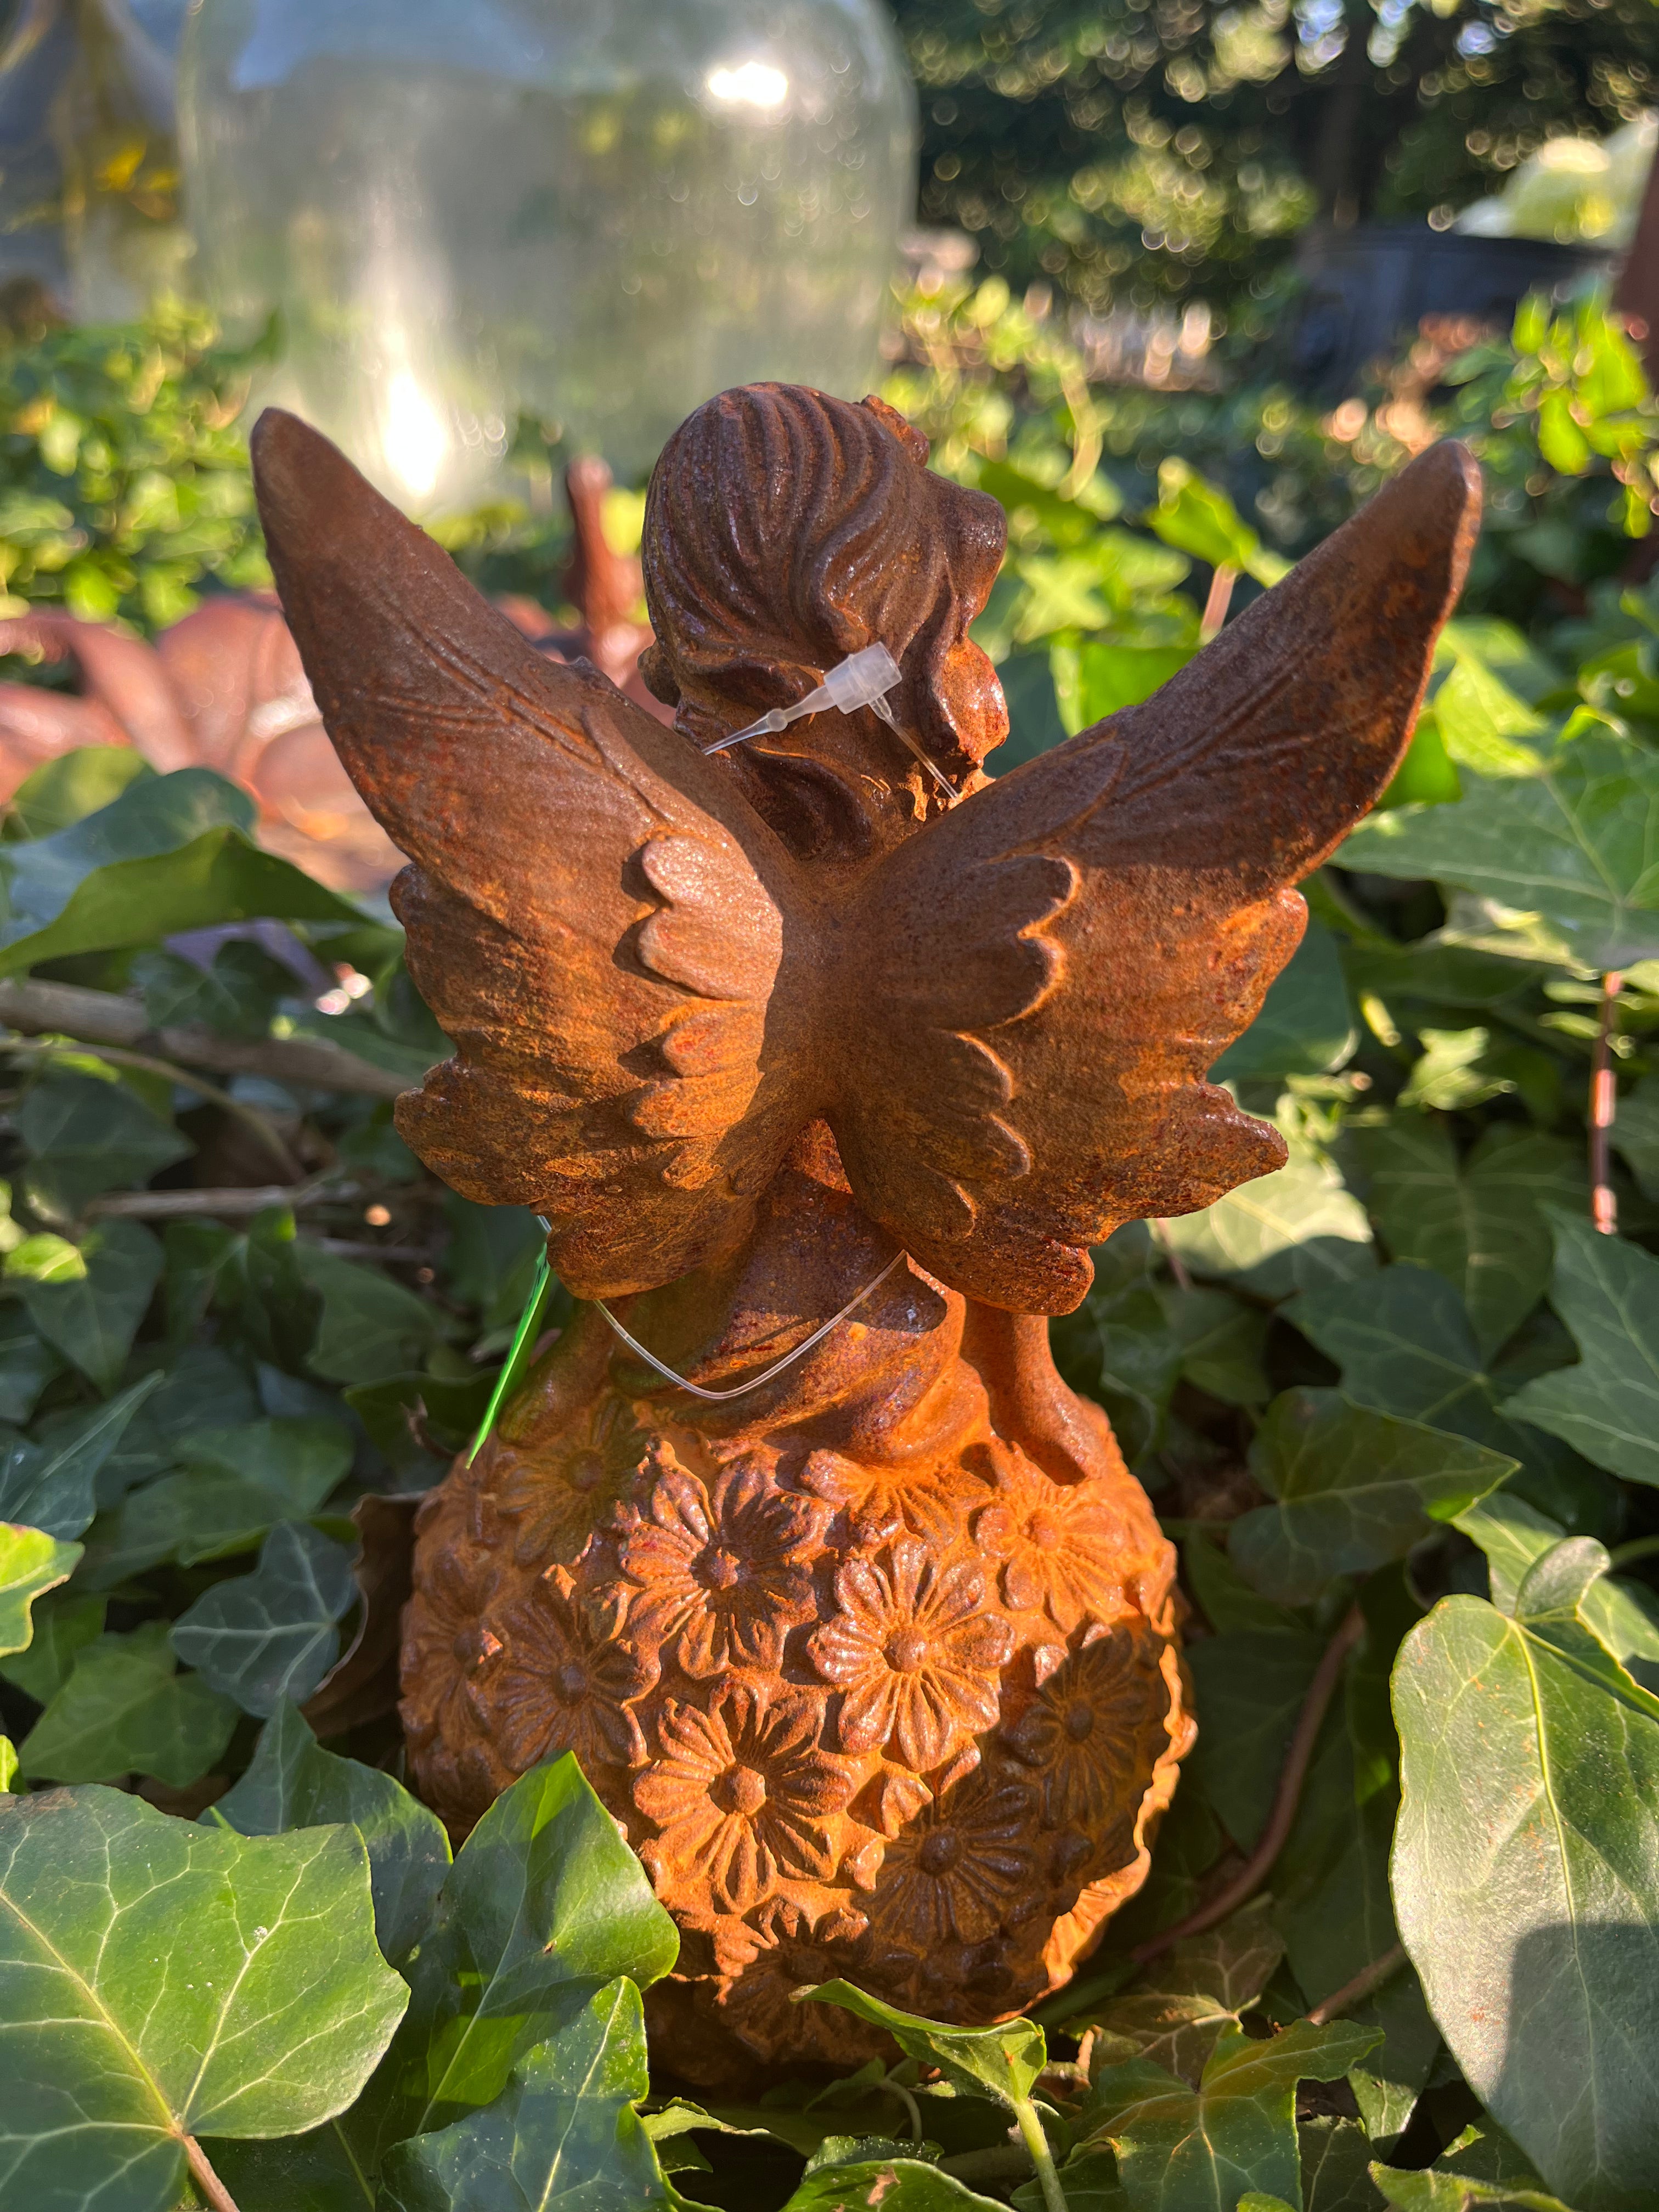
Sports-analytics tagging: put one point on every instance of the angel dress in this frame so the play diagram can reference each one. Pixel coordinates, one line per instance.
(875, 1660)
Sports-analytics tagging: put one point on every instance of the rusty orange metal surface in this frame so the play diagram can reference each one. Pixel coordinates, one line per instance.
(876, 1663)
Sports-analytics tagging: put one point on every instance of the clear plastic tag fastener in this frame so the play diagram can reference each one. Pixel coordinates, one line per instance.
(863, 680)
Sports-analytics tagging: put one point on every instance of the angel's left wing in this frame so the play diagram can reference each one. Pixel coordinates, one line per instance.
(1048, 973)
(593, 914)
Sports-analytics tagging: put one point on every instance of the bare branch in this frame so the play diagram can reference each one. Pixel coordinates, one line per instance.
(1288, 1796)
(106, 1018)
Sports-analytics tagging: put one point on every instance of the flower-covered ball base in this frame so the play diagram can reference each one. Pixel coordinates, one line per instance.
(909, 1718)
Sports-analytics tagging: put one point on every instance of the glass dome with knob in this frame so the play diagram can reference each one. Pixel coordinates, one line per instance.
(599, 211)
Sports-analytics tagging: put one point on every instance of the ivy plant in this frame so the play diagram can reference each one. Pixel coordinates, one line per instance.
(1394, 1405)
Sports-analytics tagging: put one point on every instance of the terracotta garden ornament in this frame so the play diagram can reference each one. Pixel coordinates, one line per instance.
(875, 1657)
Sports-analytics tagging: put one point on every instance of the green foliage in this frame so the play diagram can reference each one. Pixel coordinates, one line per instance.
(1608, 1294)
(566, 2126)
(1524, 1871)
(1135, 154)
(1352, 1491)
(123, 476)
(1401, 1390)
(31, 1563)
(124, 1709)
(116, 2050)
(1206, 2147)
(291, 1782)
(269, 1637)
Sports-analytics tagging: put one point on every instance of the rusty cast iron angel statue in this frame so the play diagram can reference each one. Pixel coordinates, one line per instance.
(874, 1658)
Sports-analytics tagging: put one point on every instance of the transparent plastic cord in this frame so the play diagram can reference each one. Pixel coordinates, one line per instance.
(863, 680)
(766, 1375)
(517, 1363)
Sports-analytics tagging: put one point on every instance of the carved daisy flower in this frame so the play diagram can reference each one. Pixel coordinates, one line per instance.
(742, 1795)
(767, 1963)
(1062, 1545)
(881, 1502)
(565, 1682)
(1096, 1731)
(722, 1581)
(560, 1492)
(914, 1653)
(961, 1868)
(446, 1645)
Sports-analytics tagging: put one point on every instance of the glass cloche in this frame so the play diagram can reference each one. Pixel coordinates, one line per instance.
(600, 211)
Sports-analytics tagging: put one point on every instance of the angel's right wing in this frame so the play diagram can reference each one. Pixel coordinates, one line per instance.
(595, 914)
(1048, 972)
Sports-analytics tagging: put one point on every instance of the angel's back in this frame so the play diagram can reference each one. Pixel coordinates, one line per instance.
(874, 1658)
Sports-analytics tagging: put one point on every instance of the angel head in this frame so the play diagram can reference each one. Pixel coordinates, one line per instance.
(785, 530)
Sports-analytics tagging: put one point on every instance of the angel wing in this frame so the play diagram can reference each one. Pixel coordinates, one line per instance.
(1054, 966)
(594, 915)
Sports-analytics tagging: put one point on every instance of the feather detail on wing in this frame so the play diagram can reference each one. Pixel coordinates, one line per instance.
(593, 915)
(1054, 966)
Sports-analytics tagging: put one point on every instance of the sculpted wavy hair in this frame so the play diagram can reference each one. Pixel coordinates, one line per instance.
(785, 530)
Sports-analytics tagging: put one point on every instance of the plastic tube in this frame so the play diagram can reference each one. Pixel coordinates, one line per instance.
(863, 680)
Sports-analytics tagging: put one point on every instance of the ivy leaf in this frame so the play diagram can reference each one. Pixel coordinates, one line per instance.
(1524, 1876)
(1335, 2162)
(1576, 844)
(173, 853)
(1222, 1342)
(1457, 1070)
(447, 1410)
(1607, 1290)
(270, 1636)
(1118, 1350)
(1331, 1881)
(1480, 1222)
(371, 1327)
(545, 1904)
(1092, 680)
(123, 1711)
(27, 1363)
(1198, 517)
(901, 2184)
(1002, 2062)
(159, 1980)
(293, 1783)
(1248, 1685)
(1635, 1136)
(1485, 726)
(1180, 2007)
(236, 1484)
(1482, 2167)
(1353, 1489)
(1404, 1344)
(31, 1563)
(1298, 1229)
(52, 1484)
(84, 1136)
(564, 2132)
(87, 1300)
(64, 1625)
(1624, 1616)
(1306, 1024)
(73, 785)
(316, 2172)
(237, 996)
(1201, 2149)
